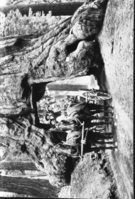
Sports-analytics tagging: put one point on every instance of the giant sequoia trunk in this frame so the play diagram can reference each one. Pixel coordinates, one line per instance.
(68, 50)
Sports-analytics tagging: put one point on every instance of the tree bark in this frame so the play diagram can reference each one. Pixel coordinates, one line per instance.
(57, 9)
(68, 50)
(28, 187)
(10, 165)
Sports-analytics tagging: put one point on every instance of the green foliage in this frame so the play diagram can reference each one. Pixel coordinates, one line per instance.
(16, 24)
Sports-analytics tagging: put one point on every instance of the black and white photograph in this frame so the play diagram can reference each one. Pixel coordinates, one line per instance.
(66, 99)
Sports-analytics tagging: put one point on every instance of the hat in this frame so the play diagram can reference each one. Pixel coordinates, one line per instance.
(53, 122)
(48, 108)
(46, 117)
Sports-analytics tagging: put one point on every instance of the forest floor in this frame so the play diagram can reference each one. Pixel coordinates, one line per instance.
(92, 178)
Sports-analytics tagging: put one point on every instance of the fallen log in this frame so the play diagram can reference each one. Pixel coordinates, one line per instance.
(35, 187)
(57, 9)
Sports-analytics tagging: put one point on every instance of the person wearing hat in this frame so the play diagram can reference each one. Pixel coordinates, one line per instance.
(87, 108)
